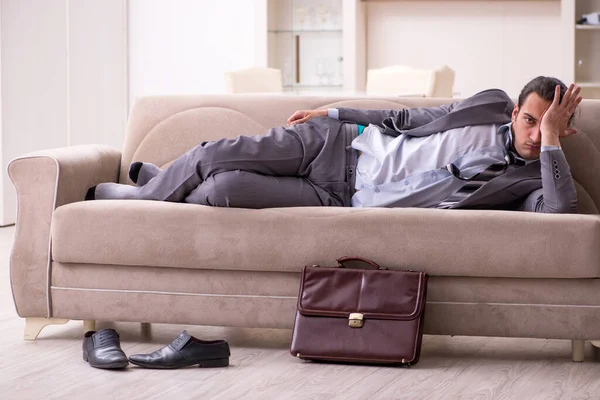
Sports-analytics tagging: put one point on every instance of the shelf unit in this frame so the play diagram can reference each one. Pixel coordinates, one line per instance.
(318, 45)
(582, 47)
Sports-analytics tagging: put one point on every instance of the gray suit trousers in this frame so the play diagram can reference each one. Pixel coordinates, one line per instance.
(310, 164)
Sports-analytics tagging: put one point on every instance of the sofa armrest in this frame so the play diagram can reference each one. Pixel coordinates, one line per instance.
(45, 180)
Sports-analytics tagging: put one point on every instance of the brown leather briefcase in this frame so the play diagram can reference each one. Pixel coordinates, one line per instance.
(372, 316)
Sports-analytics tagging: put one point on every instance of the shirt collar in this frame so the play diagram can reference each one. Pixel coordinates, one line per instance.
(506, 130)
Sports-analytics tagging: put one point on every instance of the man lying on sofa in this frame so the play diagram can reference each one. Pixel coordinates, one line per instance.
(482, 152)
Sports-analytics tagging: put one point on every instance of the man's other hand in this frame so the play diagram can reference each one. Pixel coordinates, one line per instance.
(301, 116)
(555, 122)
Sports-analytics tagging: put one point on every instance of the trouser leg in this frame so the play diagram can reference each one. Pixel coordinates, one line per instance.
(244, 189)
(278, 153)
(316, 150)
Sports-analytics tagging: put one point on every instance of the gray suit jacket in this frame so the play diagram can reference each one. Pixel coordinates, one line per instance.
(545, 185)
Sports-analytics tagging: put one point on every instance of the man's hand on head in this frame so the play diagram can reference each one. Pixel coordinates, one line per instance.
(301, 116)
(555, 121)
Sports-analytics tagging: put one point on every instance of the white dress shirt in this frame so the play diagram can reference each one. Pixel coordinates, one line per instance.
(408, 171)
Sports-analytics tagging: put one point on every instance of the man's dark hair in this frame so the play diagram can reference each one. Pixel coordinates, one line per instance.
(544, 87)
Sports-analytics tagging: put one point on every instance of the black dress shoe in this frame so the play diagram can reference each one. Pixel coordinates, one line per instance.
(184, 351)
(102, 349)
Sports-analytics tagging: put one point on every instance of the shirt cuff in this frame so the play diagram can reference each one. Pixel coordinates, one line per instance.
(548, 148)
(333, 113)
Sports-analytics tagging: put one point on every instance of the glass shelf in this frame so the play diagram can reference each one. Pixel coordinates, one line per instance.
(306, 31)
(588, 27)
(305, 42)
(303, 86)
(322, 90)
(591, 85)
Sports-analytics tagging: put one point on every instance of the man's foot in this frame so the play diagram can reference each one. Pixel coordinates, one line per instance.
(113, 191)
(141, 172)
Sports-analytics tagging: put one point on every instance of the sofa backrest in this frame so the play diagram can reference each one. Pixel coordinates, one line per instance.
(161, 128)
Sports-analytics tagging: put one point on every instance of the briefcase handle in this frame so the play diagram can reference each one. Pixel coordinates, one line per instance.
(363, 263)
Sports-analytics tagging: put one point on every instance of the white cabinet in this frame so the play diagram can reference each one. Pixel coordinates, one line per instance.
(63, 79)
(319, 45)
(582, 50)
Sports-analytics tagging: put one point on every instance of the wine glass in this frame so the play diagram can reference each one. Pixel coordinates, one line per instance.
(300, 17)
(287, 72)
(323, 16)
(329, 71)
(339, 78)
(321, 71)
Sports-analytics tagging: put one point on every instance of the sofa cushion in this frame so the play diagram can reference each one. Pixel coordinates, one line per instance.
(441, 242)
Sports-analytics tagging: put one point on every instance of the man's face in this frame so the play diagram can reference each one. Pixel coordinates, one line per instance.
(526, 126)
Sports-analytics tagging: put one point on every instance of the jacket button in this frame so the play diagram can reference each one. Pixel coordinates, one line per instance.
(555, 162)
(557, 176)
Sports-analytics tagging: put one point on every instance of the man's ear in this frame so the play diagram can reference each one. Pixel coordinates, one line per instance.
(515, 113)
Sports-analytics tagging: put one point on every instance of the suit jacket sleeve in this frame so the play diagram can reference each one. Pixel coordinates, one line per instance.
(397, 120)
(487, 107)
(558, 193)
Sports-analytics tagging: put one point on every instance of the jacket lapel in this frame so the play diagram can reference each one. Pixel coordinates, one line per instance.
(492, 190)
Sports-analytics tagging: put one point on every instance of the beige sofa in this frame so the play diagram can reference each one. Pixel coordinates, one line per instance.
(492, 273)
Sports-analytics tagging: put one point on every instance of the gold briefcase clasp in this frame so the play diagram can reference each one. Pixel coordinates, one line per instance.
(355, 320)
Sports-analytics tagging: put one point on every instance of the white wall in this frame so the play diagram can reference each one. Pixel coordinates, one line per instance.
(488, 43)
(98, 91)
(185, 46)
(63, 79)
(34, 98)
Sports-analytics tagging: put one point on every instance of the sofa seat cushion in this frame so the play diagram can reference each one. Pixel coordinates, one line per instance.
(475, 243)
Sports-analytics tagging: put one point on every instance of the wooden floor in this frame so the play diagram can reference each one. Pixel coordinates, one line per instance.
(262, 368)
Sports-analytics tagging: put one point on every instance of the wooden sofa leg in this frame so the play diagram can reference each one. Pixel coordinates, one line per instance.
(578, 347)
(33, 325)
(596, 349)
(89, 325)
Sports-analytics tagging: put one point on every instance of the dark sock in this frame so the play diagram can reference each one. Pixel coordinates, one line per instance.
(140, 173)
(134, 171)
(91, 194)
